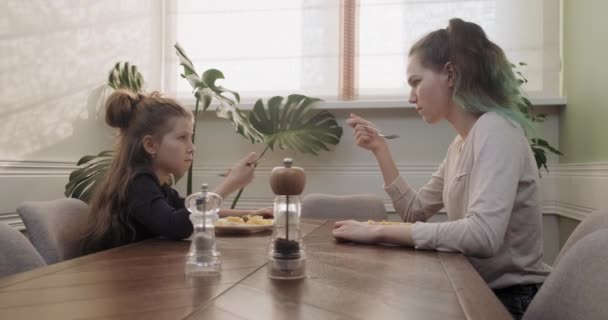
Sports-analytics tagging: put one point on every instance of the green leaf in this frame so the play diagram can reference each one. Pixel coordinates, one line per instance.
(125, 76)
(210, 77)
(204, 95)
(292, 125)
(106, 153)
(189, 71)
(540, 157)
(544, 144)
(206, 81)
(91, 171)
(240, 120)
(85, 159)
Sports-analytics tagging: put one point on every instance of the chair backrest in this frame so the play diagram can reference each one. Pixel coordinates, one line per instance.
(16, 252)
(354, 206)
(577, 287)
(595, 221)
(55, 227)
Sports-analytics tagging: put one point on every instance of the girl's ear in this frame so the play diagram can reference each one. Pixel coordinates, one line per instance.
(150, 145)
(449, 70)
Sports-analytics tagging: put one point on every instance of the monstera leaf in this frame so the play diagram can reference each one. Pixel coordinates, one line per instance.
(83, 180)
(292, 125)
(92, 168)
(241, 122)
(125, 76)
(205, 89)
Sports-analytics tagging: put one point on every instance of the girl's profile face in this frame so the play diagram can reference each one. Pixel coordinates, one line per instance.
(175, 151)
(431, 91)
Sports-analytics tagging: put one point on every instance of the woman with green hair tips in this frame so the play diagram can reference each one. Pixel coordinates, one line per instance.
(488, 181)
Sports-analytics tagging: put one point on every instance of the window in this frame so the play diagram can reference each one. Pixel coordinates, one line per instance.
(348, 49)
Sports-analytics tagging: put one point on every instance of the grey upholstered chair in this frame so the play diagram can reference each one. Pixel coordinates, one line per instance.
(577, 287)
(55, 227)
(16, 252)
(355, 206)
(595, 221)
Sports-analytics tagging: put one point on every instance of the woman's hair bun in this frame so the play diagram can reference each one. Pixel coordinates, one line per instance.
(121, 107)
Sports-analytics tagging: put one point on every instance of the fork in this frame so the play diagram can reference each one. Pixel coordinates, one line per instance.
(385, 136)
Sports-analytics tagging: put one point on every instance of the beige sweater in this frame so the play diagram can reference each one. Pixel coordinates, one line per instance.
(488, 184)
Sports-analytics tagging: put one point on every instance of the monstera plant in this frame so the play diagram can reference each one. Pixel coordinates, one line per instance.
(92, 168)
(539, 146)
(292, 124)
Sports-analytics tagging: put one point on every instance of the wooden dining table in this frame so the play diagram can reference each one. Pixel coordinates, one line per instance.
(145, 280)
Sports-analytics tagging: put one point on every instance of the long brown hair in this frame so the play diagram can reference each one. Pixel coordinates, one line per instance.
(135, 116)
(484, 78)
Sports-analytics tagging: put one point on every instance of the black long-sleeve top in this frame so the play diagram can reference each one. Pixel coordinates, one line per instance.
(155, 210)
(151, 210)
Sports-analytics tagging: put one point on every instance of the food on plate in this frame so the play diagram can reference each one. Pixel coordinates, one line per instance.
(244, 221)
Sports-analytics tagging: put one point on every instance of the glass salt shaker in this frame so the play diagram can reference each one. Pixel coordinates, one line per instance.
(286, 256)
(203, 259)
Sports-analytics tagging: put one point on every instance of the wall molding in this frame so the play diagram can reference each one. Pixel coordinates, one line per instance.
(397, 102)
(10, 168)
(569, 190)
(23, 180)
(567, 210)
(594, 169)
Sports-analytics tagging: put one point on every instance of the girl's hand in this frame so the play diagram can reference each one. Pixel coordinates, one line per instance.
(242, 173)
(356, 231)
(238, 176)
(366, 137)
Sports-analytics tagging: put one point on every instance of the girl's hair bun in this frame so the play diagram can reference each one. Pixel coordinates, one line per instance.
(121, 107)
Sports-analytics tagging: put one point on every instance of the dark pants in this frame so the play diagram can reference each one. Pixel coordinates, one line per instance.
(517, 298)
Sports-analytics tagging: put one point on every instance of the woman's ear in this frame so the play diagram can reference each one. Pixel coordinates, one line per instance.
(449, 70)
(150, 145)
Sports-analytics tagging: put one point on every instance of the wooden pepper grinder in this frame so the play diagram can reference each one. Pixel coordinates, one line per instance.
(286, 252)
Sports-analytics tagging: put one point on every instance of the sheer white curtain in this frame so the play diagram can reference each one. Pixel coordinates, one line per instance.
(54, 56)
(264, 48)
(528, 31)
(276, 47)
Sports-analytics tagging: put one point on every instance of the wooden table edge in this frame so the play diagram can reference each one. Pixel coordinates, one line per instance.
(476, 299)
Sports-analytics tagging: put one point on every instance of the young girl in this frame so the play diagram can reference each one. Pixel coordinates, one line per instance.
(134, 202)
(488, 181)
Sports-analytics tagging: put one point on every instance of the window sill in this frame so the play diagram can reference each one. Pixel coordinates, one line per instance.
(557, 101)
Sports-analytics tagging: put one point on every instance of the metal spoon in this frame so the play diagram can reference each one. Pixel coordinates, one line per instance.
(385, 136)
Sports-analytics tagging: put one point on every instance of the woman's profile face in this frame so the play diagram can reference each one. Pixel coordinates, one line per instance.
(431, 91)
